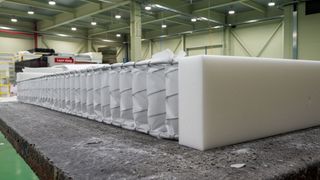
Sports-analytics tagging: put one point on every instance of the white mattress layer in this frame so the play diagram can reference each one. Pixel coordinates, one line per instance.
(228, 100)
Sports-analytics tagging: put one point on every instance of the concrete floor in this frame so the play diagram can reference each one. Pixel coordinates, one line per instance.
(12, 166)
(60, 146)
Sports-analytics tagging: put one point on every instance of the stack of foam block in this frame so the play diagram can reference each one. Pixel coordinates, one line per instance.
(137, 96)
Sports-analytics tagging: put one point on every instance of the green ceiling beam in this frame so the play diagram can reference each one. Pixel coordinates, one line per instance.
(172, 30)
(87, 25)
(41, 5)
(208, 5)
(25, 25)
(180, 22)
(91, 1)
(254, 5)
(110, 19)
(11, 12)
(114, 28)
(81, 12)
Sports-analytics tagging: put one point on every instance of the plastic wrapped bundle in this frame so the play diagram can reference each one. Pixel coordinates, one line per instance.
(97, 94)
(77, 93)
(139, 96)
(156, 92)
(89, 84)
(67, 92)
(172, 102)
(156, 99)
(105, 95)
(115, 93)
(72, 92)
(56, 92)
(83, 92)
(62, 92)
(125, 86)
(40, 93)
(45, 99)
(43, 89)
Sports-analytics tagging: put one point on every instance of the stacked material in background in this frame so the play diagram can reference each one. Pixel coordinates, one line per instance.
(7, 75)
(111, 94)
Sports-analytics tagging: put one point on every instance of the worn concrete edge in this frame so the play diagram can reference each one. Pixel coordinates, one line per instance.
(40, 164)
(45, 169)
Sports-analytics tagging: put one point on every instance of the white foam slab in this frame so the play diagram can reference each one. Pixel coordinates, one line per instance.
(228, 100)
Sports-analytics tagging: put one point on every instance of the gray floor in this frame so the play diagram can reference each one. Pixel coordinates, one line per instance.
(83, 149)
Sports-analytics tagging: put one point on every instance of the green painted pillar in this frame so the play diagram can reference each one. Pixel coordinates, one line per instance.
(89, 45)
(226, 41)
(135, 31)
(287, 32)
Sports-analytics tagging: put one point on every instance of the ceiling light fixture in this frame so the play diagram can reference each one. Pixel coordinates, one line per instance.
(31, 12)
(63, 35)
(231, 12)
(118, 35)
(164, 26)
(52, 3)
(107, 40)
(14, 20)
(271, 4)
(217, 27)
(117, 16)
(4, 27)
(73, 28)
(193, 19)
(148, 8)
(93, 23)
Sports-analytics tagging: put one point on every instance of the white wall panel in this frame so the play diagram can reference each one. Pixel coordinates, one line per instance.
(204, 39)
(64, 45)
(169, 43)
(254, 38)
(13, 45)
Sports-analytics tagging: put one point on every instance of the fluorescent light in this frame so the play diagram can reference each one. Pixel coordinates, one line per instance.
(193, 19)
(14, 20)
(107, 40)
(231, 12)
(148, 8)
(73, 28)
(271, 4)
(117, 16)
(31, 12)
(252, 21)
(118, 35)
(217, 27)
(93, 23)
(63, 35)
(52, 3)
(164, 26)
(203, 18)
(6, 28)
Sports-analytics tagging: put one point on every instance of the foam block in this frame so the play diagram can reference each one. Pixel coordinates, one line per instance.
(228, 100)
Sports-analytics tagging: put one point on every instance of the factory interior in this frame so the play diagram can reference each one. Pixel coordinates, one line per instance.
(159, 89)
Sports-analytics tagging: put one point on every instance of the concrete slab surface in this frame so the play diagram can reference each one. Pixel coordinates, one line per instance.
(60, 146)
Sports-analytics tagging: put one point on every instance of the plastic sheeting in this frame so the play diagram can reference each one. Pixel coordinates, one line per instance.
(97, 94)
(105, 95)
(125, 86)
(90, 93)
(77, 93)
(83, 93)
(172, 102)
(115, 94)
(139, 96)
